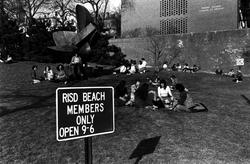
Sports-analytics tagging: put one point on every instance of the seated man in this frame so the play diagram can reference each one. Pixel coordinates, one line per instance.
(9, 60)
(185, 68)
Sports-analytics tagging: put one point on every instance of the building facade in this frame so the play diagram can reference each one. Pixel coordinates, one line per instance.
(178, 16)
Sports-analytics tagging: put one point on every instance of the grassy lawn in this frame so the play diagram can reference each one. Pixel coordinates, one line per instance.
(221, 135)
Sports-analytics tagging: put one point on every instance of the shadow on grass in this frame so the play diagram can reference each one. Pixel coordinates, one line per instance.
(146, 146)
(37, 104)
(247, 99)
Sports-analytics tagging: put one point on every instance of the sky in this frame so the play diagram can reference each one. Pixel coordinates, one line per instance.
(114, 4)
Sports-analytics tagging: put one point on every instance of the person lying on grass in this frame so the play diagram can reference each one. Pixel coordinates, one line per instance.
(185, 103)
(231, 73)
(121, 93)
(133, 89)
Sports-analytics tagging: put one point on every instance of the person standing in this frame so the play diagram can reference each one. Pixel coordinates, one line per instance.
(76, 62)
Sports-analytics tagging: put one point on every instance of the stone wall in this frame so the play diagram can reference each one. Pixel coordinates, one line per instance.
(210, 50)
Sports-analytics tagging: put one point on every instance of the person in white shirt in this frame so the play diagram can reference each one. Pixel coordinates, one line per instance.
(144, 63)
(123, 69)
(48, 73)
(9, 60)
(165, 66)
(165, 96)
(132, 69)
(133, 88)
(76, 62)
(142, 66)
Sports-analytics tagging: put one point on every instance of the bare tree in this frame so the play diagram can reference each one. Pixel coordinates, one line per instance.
(63, 9)
(33, 7)
(161, 48)
(99, 8)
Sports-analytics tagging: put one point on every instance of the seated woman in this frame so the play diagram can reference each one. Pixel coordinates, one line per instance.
(174, 67)
(133, 88)
(238, 77)
(185, 103)
(34, 77)
(123, 69)
(121, 93)
(165, 97)
(132, 69)
(48, 73)
(61, 75)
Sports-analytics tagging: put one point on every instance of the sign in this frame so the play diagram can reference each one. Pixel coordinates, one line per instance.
(240, 62)
(84, 112)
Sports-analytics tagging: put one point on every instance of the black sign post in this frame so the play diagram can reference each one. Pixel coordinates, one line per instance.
(88, 150)
(83, 112)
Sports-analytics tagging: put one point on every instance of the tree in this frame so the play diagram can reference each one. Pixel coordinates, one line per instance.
(161, 48)
(63, 10)
(99, 9)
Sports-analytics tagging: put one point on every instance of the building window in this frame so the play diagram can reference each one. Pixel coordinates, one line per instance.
(174, 16)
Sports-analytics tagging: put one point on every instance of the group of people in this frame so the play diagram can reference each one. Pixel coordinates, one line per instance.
(8, 60)
(49, 75)
(185, 68)
(60, 75)
(236, 75)
(141, 95)
(132, 67)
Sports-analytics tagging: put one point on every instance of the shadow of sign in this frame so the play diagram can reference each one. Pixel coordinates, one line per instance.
(247, 99)
(146, 146)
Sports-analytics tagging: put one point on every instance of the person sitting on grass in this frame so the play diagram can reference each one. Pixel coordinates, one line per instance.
(156, 82)
(123, 69)
(132, 69)
(185, 103)
(185, 68)
(218, 72)
(165, 97)
(34, 77)
(165, 66)
(231, 73)
(121, 93)
(133, 88)
(9, 60)
(178, 66)
(61, 75)
(195, 68)
(238, 77)
(142, 96)
(174, 68)
(174, 81)
(48, 73)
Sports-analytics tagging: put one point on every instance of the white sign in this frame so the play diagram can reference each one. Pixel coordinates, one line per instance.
(240, 61)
